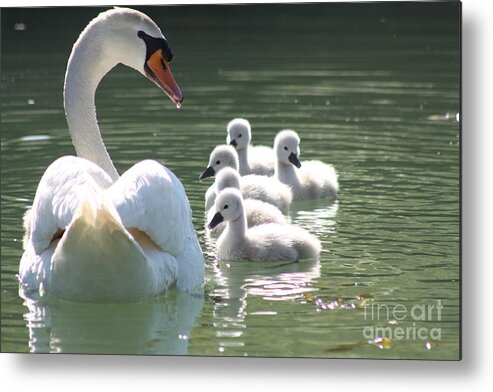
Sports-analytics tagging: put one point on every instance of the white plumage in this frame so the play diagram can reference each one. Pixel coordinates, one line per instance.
(307, 179)
(95, 236)
(252, 159)
(270, 241)
(257, 211)
(252, 186)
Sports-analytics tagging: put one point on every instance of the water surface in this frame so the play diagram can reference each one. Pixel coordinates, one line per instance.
(372, 89)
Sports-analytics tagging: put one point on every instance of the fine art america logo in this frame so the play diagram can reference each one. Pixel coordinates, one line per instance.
(417, 321)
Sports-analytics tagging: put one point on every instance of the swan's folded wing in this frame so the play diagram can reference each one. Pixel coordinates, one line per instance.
(150, 197)
(65, 183)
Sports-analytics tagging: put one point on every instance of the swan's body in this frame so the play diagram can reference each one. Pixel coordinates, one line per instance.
(95, 236)
(252, 159)
(307, 179)
(270, 241)
(257, 211)
(252, 186)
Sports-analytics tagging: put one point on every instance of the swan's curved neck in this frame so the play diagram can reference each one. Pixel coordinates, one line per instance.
(86, 67)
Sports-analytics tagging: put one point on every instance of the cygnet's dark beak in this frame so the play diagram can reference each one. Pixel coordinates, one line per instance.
(294, 160)
(218, 218)
(233, 143)
(209, 172)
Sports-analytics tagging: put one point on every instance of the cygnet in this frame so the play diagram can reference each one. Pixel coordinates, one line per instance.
(265, 242)
(252, 159)
(307, 179)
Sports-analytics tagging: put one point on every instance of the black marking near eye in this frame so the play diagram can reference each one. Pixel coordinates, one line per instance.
(225, 206)
(154, 44)
(218, 162)
(164, 66)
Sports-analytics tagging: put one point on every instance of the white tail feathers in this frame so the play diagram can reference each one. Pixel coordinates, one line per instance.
(98, 213)
(99, 258)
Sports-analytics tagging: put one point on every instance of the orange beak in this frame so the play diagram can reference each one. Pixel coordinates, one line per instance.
(157, 69)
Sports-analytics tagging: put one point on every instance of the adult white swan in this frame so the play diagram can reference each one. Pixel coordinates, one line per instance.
(92, 235)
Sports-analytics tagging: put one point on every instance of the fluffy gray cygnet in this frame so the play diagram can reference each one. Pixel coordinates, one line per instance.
(252, 159)
(271, 241)
(307, 179)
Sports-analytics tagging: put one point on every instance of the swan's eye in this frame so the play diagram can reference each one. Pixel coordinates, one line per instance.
(225, 206)
(239, 135)
(218, 162)
(286, 148)
(154, 44)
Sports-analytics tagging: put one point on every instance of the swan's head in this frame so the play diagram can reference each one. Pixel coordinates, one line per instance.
(228, 205)
(222, 156)
(227, 178)
(287, 147)
(239, 133)
(130, 37)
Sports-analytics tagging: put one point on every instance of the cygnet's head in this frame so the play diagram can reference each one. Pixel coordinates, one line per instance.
(127, 36)
(287, 147)
(222, 156)
(239, 133)
(227, 178)
(228, 205)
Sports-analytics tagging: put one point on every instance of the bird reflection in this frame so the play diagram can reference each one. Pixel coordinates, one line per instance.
(245, 289)
(161, 326)
(239, 285)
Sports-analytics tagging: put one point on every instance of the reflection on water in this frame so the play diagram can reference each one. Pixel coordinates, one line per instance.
(161, 326)
(371, 88)
(235, 282)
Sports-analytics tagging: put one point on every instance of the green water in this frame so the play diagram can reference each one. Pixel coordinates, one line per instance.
(372, 89)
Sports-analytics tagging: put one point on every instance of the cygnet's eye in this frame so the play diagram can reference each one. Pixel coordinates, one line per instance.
(225, 207)
(218, 162)
(286, 148)
(239, 135)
